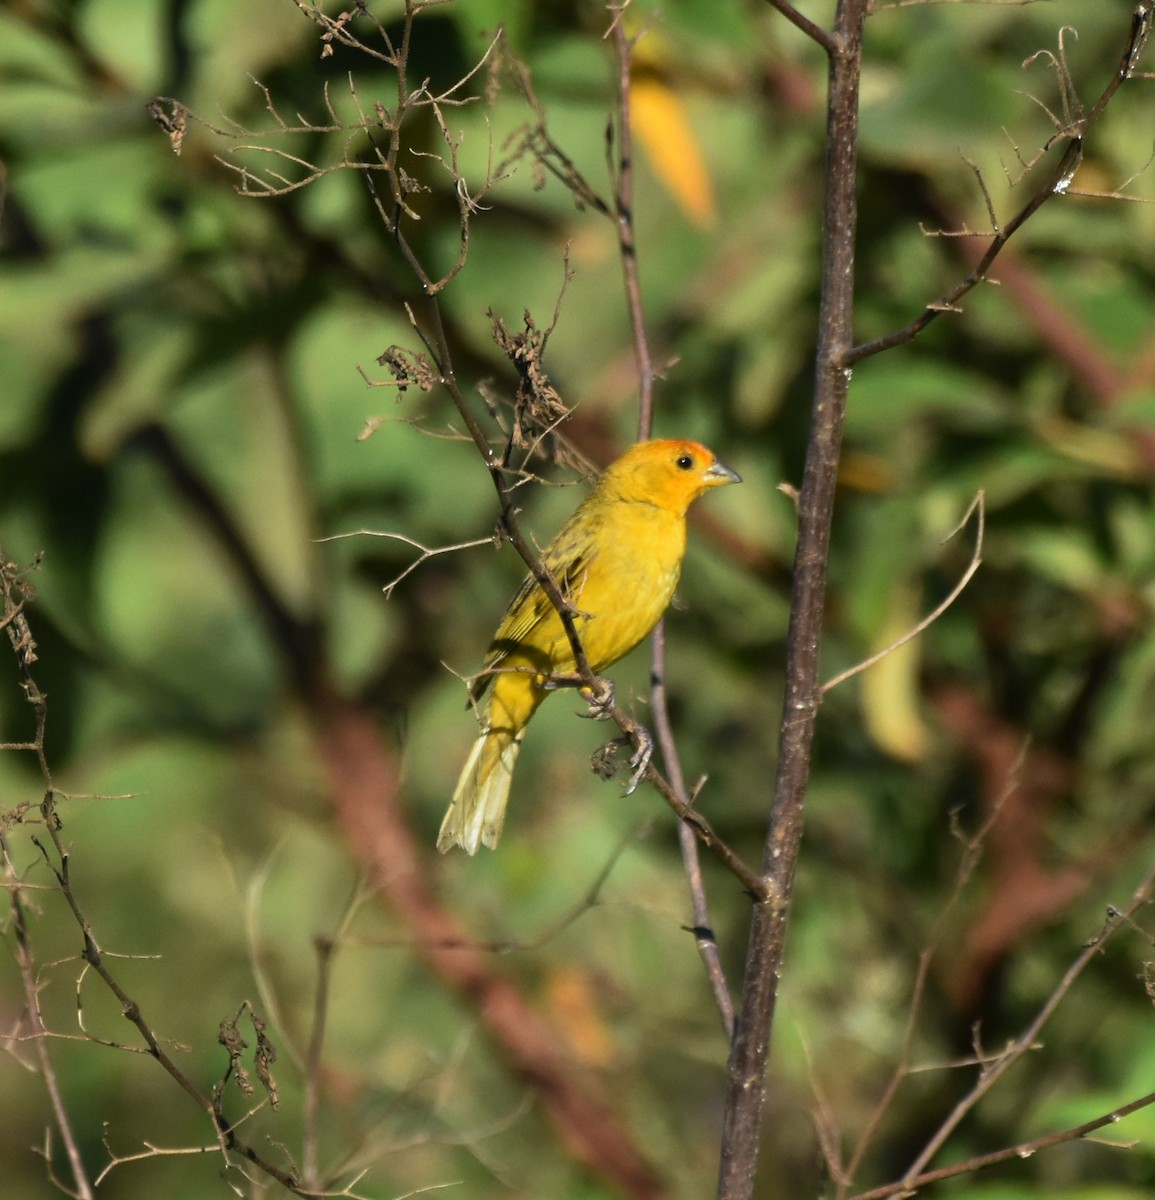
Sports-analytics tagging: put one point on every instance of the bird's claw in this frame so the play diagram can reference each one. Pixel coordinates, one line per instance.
(600, 700)
(599, 696)
(640, 760)
(604, 762)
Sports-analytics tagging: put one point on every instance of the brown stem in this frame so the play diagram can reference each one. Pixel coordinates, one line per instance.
(1057, 184)
(905, 1187)
(688, 836)
(22, 951)
(703, 929)
(991, 1073)
(815, 32)
(624, 222)
(750, 1052)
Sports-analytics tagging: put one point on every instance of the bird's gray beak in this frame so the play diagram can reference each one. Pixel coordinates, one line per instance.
(718, 473)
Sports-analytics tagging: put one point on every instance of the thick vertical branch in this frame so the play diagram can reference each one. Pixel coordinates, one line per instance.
(750, 1052)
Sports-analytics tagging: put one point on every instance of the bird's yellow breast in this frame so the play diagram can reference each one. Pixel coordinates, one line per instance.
(626, 585)
(622, 602)
(629, 586)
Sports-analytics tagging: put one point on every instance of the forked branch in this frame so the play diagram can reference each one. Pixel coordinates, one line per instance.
(1072, 128)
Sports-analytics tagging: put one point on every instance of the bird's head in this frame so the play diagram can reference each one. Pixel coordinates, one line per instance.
(668, 472)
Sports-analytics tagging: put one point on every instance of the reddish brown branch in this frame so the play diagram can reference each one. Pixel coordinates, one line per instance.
(1024, 894)
(1065, 336)
(363, 782)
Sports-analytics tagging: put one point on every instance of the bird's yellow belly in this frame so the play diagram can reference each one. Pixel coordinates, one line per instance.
(628, 587)
(613, 629)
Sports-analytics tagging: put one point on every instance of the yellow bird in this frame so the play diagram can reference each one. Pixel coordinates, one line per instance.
(617, 562)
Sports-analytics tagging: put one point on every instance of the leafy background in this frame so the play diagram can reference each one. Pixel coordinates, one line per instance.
(164, 340)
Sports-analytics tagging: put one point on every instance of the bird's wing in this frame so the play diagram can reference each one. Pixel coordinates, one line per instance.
(569, 565)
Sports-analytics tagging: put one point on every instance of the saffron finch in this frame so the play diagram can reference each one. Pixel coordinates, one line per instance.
(616, 561)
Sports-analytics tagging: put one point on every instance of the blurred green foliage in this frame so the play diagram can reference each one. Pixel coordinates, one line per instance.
(167, 345)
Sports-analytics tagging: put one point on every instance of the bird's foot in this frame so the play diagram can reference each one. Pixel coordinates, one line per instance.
(640, 760)
(554, 683)
(604, 762)
(600, 699)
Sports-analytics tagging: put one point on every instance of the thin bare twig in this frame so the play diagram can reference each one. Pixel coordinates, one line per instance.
(990, 1075)
(15, 593)
(813, 31)
(326, 946)
(703, 929)
(426, 552)
(976, 505)
(972, 848)
(879, 6)
(57, 858)
(688, 836)
(1073, 127)
(1023, 1150)
(623, 173)
(94, 956)
(81, 1185)
(991, 1072)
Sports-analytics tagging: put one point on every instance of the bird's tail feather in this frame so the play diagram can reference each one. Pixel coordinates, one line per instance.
(477, 811)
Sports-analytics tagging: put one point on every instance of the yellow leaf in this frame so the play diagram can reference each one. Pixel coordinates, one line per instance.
(890, 695)
(865, 472)
(572, 1003)
(658, 119)
(1109, 449)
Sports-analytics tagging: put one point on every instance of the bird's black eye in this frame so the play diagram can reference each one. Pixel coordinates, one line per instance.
(685, 462)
